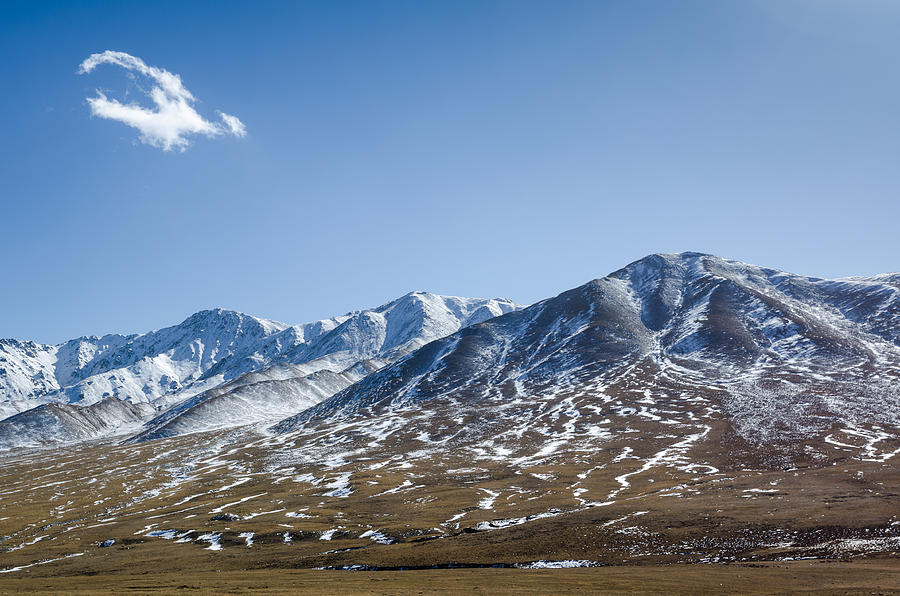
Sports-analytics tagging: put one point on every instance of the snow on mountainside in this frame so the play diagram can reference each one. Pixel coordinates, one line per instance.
(26, 375)
(139, 368)
(66, 423)
(780, 355)
(246, 401)
(219, 347)
(396, 328)
(316, 370)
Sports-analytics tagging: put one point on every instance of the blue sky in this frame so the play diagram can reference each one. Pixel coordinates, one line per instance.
(472, 148)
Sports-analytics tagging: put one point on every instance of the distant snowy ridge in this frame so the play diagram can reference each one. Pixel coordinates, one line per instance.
(220, 347)
(66, 423)
(137, 368)
(311, 372)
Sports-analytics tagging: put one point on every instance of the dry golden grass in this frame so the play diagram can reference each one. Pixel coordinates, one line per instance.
(650, 535)
(810, 577)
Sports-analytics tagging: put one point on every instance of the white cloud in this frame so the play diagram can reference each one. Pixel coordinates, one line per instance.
(235, 126)
(173, 121)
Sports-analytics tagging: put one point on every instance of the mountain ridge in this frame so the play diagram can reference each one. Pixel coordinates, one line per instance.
(216, 347)
(686, 315)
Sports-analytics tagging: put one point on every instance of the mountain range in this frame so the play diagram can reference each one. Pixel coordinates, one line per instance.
(683, 409)
(779, 356)
(217, 368)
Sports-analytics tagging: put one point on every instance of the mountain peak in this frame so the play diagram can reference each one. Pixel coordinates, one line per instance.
(219, 315)
(659, 261)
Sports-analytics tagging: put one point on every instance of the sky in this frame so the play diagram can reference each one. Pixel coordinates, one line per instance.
(513, 149)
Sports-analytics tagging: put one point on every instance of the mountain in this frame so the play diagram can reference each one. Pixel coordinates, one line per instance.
(64, 423)
(139, 368)
(223, 368)
(781, 357)
(310, 372)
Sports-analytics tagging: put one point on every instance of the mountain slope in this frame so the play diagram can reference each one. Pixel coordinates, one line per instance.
(202, 370)
(140, 368)
(396, 328)
(64, 423)
(334, 360)
(750, 341)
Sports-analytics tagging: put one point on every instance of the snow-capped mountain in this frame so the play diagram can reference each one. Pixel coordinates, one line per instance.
(65, 423)
(138, 368)
(780, 355)
(222, 348)
(252, 398)
(312, 371)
